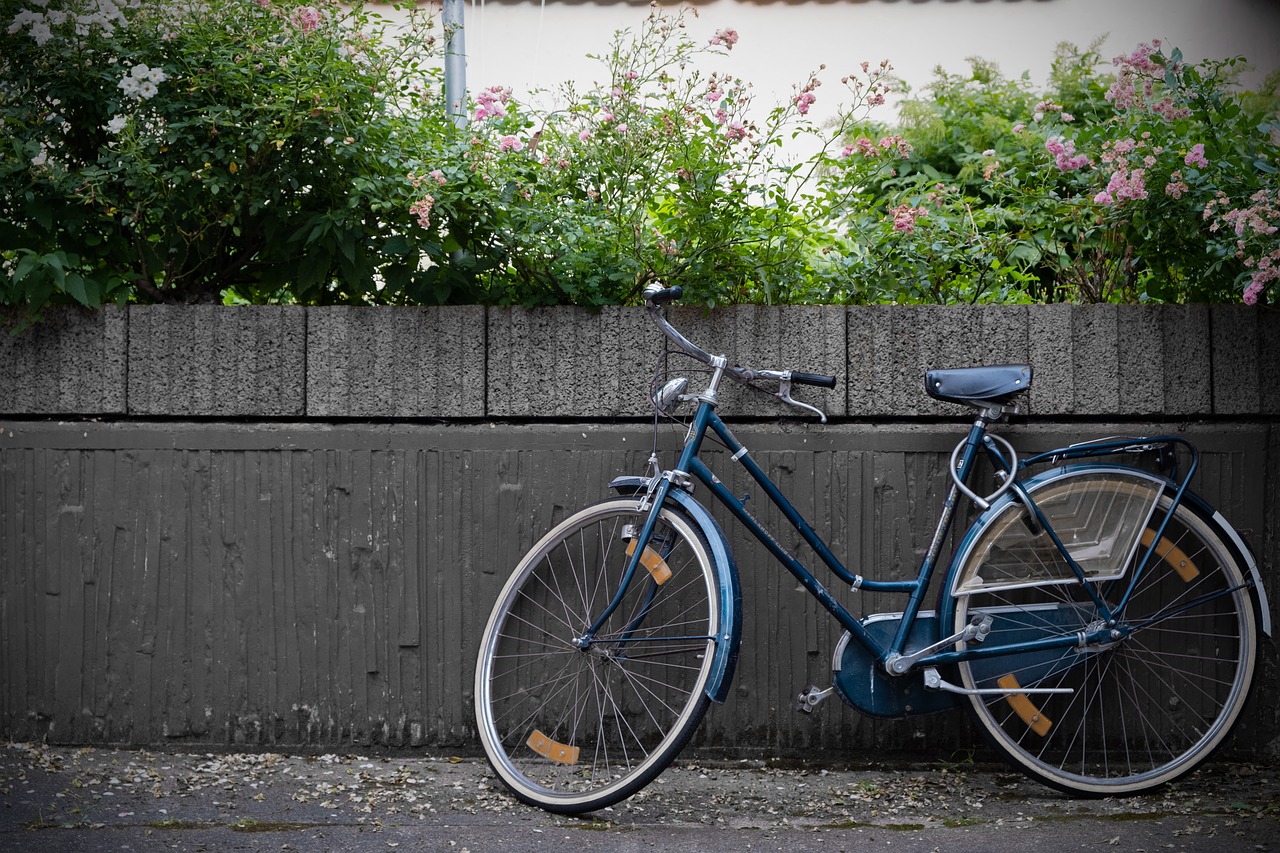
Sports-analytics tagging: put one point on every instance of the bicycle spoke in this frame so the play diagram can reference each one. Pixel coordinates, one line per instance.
(1146, 706)
(573, 722)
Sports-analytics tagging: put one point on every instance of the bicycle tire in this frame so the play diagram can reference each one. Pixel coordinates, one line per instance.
(574, 730)
(1145, 709)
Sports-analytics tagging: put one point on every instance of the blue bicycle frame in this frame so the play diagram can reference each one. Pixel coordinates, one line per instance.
(690, 467)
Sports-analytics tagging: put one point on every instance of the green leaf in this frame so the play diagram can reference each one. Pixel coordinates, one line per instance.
(27, 265)
(397, 245)
(75, 287)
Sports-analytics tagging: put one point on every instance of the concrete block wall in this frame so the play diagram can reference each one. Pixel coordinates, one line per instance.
(216, 361)
(73, 362)
(1094, 360)
(395, 362)
(1173, 361)
(568, 362)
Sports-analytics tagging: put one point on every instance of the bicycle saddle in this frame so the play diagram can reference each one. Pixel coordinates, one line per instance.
(997, 383)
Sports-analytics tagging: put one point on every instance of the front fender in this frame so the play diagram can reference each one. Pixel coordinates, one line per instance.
(726, 570)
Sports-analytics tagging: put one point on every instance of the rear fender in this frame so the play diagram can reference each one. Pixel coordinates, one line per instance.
(1228, 533)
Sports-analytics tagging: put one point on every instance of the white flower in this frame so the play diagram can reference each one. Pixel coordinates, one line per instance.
(130, 86)
(118, 123)
(142, 72)
(147, 89)
(41, 33)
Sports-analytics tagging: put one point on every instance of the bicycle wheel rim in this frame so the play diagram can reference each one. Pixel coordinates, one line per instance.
(571, 730)
(1144, 710)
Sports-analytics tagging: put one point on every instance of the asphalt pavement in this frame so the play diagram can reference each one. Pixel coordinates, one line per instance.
(70, 800)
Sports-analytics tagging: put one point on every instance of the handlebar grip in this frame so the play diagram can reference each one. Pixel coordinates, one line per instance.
(667, 294)
(819, 379)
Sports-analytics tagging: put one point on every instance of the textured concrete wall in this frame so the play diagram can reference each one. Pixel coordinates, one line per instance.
(396, 362)
(286, 526)
(214, 361)
(72, 363)
(471, 362)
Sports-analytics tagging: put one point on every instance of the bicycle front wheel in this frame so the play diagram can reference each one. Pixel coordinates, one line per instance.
(1133, 713)
(573, 726)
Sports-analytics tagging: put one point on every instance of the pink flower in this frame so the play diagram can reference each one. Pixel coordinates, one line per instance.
(1195, 157)
(422, 209)
(735, 132)
(584, 135)
(887, 143)
(1124, 186)
(1019, 127)
(306, 18)
(713, 96)
(866, 147)
(727, 37)
(1064, 154)
(510, 143)
(905, 216)
(437, 176)
(803, 102)
(1252, 292)
(491, 102)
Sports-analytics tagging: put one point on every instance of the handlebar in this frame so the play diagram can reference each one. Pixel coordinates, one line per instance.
(662, 295)
(822, 380)
(657, 296)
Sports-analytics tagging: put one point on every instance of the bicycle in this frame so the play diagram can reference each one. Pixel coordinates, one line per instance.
(1099, 620)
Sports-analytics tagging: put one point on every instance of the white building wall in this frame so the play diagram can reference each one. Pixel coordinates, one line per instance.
(542, 43)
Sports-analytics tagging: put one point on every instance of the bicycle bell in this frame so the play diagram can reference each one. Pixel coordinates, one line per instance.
(667, 398)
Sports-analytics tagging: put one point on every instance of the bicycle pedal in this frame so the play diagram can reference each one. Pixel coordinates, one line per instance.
(811, 698)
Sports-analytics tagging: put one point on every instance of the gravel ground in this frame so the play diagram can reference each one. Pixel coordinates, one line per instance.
(61, 799)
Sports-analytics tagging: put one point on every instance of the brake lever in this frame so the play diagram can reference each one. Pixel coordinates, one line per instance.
(784, 394)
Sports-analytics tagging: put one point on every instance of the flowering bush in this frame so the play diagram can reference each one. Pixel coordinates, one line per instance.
(177, 152)
(1156, 182)
(657, 172)
(275, 150)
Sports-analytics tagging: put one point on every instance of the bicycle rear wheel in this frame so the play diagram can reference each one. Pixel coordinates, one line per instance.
(573, 729)
(1143, 709)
